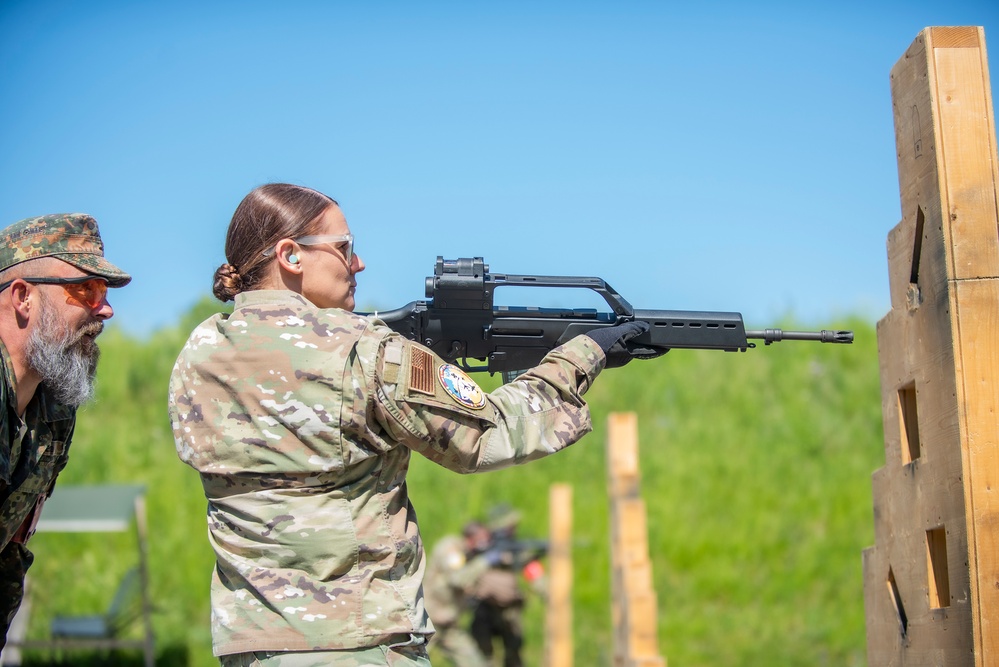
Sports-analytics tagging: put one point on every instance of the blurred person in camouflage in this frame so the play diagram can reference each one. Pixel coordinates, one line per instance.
(53, 305)
(453, 568)
(301, 416)
(498, 600)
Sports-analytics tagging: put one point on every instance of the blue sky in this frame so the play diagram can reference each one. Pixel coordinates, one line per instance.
(702, 156)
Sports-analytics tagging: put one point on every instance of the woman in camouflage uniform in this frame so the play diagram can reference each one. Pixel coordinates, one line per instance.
(301, 417)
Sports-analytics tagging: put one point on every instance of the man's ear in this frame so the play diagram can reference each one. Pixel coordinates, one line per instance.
(19, 294)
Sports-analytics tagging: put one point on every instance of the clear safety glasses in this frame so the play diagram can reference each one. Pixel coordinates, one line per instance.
(346, 241)
(85, 291)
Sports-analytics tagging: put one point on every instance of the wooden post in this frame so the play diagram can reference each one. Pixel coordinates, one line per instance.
(634, 612)
(558, 647)
(931, 580)
(141, 534)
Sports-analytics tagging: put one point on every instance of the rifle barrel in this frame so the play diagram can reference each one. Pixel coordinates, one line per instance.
(825, 336)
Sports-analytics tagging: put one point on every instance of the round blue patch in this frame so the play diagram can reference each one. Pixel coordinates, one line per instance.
(460, 387)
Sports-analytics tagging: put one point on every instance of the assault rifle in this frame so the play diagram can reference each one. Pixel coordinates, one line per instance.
(461, 322)
(518, 553)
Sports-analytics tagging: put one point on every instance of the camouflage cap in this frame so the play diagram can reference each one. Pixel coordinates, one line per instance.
(71, 237)
(502, 517)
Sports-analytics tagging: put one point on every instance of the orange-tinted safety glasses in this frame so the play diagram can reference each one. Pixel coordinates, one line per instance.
(86, 291)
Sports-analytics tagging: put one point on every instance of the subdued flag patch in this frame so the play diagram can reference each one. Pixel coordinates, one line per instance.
(421, 374)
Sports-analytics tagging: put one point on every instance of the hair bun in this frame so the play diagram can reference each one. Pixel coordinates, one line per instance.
(228, 283)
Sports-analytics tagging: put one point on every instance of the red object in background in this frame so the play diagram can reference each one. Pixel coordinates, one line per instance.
(534, 570)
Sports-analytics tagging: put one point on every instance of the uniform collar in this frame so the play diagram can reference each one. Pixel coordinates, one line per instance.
(9, 379)
(266, 297)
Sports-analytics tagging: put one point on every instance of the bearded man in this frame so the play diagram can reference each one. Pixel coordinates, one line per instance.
(53, 305)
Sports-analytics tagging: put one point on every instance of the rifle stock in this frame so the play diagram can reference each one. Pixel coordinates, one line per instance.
(460, 322)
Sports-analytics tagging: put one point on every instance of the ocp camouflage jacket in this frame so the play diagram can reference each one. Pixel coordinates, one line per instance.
(301, 422)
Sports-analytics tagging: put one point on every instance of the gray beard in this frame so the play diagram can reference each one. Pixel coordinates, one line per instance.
(65, 360)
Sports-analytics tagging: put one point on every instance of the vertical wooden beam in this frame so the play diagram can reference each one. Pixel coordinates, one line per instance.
(558, 646)
(931, 580)
(141, 534)
(634, 612)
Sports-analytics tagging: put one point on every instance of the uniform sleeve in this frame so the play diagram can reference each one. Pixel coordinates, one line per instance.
(436, 410)
(15, 559)
(465, 578)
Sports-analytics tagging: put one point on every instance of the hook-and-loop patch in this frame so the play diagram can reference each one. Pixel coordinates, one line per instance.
(460, 387)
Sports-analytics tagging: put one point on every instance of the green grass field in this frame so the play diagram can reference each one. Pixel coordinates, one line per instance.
(756, 473)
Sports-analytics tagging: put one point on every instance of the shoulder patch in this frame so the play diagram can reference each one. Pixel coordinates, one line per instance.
(421, 371)
(393, 354)
(460, 387)
(455, 560)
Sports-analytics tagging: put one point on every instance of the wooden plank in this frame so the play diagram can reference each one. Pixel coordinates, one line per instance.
(979, 399)
(967, 130)
(634, 606)
(622, 456)
(633, 531)
(643, 639)
(930, 590)
(915, 142)
(558, 644)
(968, 153)
(912, 499)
